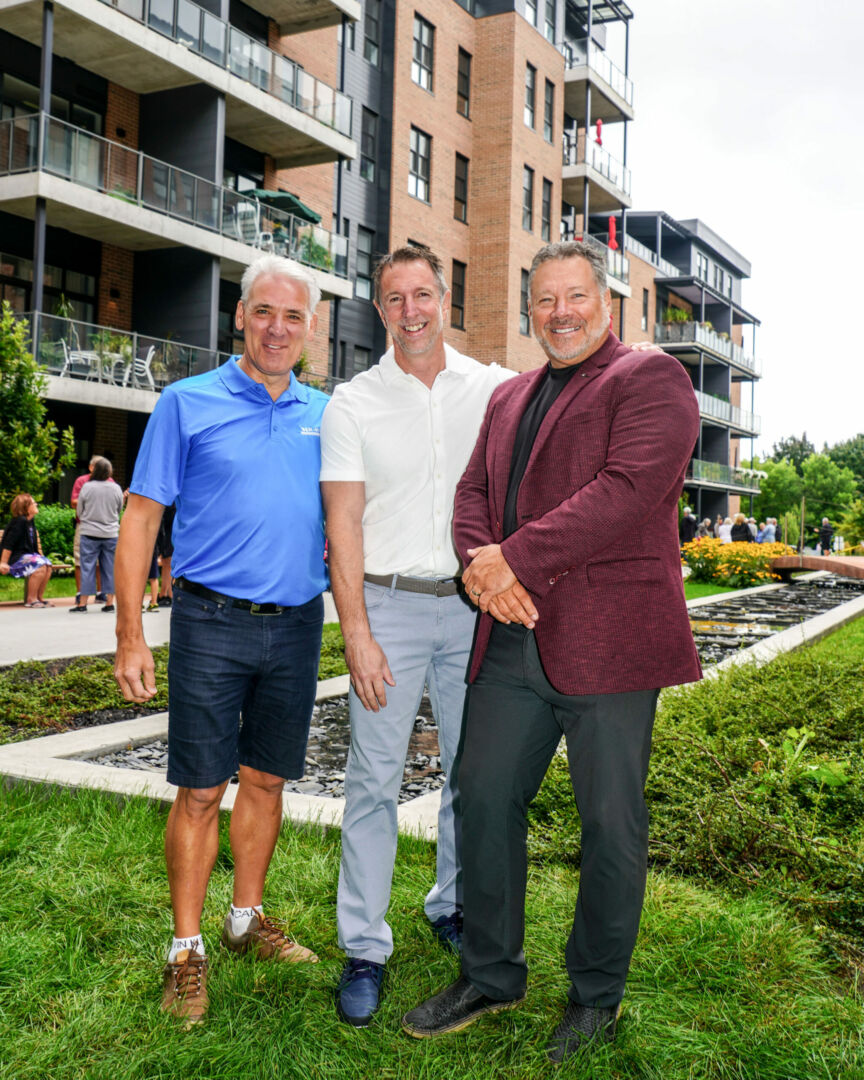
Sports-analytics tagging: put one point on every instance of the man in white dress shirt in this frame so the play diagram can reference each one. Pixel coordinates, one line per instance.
(395, 442)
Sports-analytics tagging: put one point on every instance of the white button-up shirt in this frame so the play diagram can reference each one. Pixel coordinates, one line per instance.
(409, 444)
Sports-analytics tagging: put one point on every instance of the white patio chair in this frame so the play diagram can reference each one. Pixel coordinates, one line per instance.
(139, 370)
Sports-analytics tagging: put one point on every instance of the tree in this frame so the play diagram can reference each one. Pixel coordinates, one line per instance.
(793, 449)
(32, 451)
(779, 491)
(828, 489)
(850, 454)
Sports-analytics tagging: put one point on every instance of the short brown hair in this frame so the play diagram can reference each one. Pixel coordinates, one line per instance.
(21, 504)
(572, 249)
(407, 254)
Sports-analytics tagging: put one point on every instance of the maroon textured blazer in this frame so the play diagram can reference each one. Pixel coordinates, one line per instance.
(597, 543)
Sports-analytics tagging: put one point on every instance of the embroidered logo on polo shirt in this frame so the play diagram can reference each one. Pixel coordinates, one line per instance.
(311, 431)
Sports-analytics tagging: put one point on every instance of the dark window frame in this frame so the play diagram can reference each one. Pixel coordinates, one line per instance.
(363, 263)
(368, 144)
(527, 198)
(549, 112)
(420, 181)
(460, 188)
(372, 32)
(463, 84)
(524, 317)
(546, 211)
(457, 294)
(529, 111)
(423, 54)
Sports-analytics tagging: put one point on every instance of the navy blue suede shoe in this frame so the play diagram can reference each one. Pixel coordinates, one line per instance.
(448, 930)
(358, 991)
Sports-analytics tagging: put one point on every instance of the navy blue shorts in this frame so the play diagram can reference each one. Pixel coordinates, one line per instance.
(241, 689)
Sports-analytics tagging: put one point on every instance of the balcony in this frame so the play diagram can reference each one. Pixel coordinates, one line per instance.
(692, 335)
(100, 365)
(617, 264)
(608, 179)
(271, 104)
(741, 421)
(665, 269)
(298, 16)
(713, 474)
(613, 100)
(116, 195)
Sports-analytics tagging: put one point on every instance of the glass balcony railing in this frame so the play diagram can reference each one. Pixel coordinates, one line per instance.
(617, 264)
(38, 142)
(78, 350)
(586, 151)
(647, 255)
(713, 472)
(717, 409)
(216, 40)
(599, 62)
(686, 332)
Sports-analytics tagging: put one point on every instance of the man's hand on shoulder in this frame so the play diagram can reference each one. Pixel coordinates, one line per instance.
(369, 670)
(134, 671)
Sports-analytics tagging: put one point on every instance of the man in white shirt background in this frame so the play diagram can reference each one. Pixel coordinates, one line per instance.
(395, 442)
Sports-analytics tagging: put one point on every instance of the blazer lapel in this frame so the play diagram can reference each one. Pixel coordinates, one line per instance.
(504, 431)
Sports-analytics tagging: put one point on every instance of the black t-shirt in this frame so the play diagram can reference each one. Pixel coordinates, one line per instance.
(544, 397)
(20, 538)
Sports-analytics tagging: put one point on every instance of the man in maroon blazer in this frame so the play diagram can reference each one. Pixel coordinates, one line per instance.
(566, 521)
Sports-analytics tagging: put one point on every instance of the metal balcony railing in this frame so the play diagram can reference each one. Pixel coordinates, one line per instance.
(717, 409)
(598, 61)
(38, 142)
(686, 332)
(617, 264)
(216, 40)
(586, 151)
(72, 349)
(713, 472)
(647, 255)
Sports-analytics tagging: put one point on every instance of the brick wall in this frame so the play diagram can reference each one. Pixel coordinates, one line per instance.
(641, 277)
(109, 440)
(116, 276)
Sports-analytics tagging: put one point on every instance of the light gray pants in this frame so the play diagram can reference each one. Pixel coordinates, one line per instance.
(427, 640)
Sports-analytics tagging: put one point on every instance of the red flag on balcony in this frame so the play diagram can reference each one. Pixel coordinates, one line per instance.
(613, 243)
(599, 139)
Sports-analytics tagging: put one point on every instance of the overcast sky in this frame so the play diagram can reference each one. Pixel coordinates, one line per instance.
(749, 116)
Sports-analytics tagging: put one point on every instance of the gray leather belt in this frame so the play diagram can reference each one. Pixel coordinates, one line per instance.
(429, 586)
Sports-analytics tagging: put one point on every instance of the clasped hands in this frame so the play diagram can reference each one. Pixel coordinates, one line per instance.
(493, 587)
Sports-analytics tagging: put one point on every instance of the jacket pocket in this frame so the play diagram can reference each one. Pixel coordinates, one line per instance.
(625, 571)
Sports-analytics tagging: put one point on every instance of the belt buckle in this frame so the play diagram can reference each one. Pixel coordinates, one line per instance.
(265, 609)
(439, 585)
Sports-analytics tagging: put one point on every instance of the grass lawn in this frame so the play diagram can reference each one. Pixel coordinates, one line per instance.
(720, 988)
(695, 590)
(13, 589)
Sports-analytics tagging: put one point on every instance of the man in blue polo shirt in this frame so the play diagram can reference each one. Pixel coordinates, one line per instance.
(238, 450)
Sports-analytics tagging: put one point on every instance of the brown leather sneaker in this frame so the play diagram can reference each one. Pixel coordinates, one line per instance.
(266, 940)
(184, 992)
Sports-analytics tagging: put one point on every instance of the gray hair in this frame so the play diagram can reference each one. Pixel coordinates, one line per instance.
(572, 249)
(102, 469)
(282, 267)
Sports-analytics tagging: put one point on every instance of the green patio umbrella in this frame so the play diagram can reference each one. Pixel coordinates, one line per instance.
(284, 200)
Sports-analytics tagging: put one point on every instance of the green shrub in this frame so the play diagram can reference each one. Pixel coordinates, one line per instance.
(56, 525)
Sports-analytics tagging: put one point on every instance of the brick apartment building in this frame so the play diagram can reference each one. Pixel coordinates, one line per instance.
(168, 142)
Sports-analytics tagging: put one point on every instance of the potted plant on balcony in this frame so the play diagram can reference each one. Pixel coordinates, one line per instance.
(676, 315)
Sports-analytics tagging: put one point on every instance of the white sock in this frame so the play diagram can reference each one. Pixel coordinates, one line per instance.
(178, 944)
(241, 917)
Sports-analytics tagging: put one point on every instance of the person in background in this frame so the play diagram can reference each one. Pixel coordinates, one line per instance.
(769, 533)
(751, 525)
(826, 535)
(80, 481)
(687, 526)
(760, 533)
(724, 532)
(99, 504)
(740, 532)
(21, 551)
(717, 524)
(165, 549)
(704, 529)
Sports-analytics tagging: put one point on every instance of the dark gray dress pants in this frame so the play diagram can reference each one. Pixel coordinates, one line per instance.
(515, 720)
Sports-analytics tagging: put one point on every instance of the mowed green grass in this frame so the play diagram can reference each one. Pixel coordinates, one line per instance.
(13, 588)
(719, 988)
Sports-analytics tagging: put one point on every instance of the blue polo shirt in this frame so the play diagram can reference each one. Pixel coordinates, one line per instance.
(243, 471)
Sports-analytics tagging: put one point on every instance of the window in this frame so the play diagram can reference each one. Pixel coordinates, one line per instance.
(719, 279)
(549, 113)
(424, 50)
(457, 296)
(363, 282)
(463, 84)
(421, 164)
(372, 31)
(524, 321)
(530, 88)
(527, 199)
(460, 189)
(531, 11)
(549, 21)
(362, 359)
(340, 365)
(368, 144)
(645, 297)
(546, 212)
(701, 266)
(349, 34)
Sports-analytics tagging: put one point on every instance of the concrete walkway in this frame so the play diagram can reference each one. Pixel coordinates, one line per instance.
(49, 633)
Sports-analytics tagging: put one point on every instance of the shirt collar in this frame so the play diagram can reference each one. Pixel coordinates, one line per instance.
(454, 362)
(238, 382)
